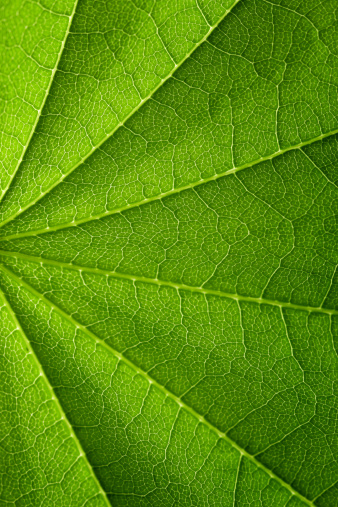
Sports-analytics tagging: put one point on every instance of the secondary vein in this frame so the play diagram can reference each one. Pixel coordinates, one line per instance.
(63, 43)
(63, 415)
(165, 283)
(149, 379)
(158, 197)
(120, 124)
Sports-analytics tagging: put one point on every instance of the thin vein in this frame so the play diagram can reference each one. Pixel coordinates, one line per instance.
(63, 43)
(236, 480)
(164, 194)
(63, 415)
(120, 124)
(325, 490)
(149, 379)
(164, 283)
(319, 169)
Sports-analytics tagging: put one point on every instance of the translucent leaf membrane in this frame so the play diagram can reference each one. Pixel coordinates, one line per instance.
(41, 461)
(117, 53)
(244, 94)
(168, 253)
(31, 42)
(144, 447)
(267, 231)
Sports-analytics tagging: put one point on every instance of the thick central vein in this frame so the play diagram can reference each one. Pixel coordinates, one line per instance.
(120, 124)
(149, 379)
(162, 195)
(164, 283)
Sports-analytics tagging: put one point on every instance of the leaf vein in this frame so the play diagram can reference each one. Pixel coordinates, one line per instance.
(168, 393)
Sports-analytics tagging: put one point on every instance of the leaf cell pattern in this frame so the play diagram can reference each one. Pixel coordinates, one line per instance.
(168, 253)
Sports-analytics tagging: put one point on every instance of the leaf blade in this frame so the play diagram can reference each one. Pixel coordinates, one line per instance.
(30, 107)
(212, 282)
(37, 407)
(48, 182)
(177, 400)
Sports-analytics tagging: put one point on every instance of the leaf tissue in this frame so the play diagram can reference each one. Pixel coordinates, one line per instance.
(168, 253)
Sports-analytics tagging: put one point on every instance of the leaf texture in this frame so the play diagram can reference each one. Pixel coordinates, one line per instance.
(168, 253)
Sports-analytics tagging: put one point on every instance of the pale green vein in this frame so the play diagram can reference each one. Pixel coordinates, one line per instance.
(163, 389)
(236, 480)
(164, 283)
(164, 194)
(24, 149)
(319, 169)
(63, 416)
(120, 124)
(325, 490)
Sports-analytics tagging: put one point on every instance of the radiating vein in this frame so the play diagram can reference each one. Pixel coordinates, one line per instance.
(121, 123)
(164, 194)
(63, 416)
(164, 283)
(149, 379)
(24, 149)
(255, 366)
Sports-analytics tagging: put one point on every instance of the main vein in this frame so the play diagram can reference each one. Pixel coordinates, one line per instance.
(55, 399)
(174, 285)
(149, 379)
(63, 43)
(162, 195)
(120, 124)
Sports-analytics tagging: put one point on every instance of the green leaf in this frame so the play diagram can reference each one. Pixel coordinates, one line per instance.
(168, 253)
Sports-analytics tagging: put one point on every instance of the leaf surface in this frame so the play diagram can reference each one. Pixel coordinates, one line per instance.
(168, 253)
